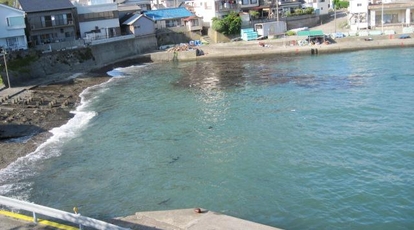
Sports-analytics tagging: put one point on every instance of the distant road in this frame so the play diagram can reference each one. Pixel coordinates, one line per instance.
(329, 27)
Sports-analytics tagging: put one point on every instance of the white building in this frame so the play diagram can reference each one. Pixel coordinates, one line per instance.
(162, 4)
(12, 27)
(98, 19)
(208, 9)
(373, 14)
(394, 14)
(321, 6)
(143, 4)
(358, 14)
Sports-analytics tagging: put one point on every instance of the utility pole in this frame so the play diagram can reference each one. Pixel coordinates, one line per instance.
(334, 17)
(382, 17)
(5, 65)
(277, 10)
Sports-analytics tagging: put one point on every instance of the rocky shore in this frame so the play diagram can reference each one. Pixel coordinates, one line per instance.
(26, 118)
(45, 106)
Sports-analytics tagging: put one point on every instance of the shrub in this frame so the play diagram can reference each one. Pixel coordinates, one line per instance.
(343, 4)
(254, 14)
(298, 11)
(309, 10)
(231, 24)
(290, 33)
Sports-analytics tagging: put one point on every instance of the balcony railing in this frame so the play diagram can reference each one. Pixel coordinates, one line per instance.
(222, 6)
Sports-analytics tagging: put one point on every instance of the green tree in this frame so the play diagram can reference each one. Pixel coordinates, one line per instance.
(336, 3)
(254, 14)
(6, 2)
(308, 10)
(231, 24)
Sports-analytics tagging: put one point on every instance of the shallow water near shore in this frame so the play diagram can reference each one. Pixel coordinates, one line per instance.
(310, 142)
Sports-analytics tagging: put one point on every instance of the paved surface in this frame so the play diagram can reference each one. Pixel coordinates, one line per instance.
(187, 219)
(8, 223)
(167, 220)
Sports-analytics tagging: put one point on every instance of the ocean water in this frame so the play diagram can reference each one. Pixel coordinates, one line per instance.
(306, 142)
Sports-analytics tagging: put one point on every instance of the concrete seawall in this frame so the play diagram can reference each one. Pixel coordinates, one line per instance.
(114, 51)
(252, 49)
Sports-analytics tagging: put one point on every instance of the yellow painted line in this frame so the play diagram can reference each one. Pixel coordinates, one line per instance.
(39, 221)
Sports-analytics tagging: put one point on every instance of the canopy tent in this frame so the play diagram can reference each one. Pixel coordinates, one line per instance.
(311, 33)
(312, 36)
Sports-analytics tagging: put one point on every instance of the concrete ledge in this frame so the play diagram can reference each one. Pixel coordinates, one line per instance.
(173, 56)
(187, 219)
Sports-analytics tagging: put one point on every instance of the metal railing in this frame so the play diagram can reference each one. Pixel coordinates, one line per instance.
(58, 214)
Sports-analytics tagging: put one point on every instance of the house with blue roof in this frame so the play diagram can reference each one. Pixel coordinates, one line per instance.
(179, 18)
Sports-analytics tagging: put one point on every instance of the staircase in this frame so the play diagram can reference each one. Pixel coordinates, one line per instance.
(206, 40)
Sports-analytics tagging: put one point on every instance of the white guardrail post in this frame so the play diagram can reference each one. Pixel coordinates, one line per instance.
(58, 214)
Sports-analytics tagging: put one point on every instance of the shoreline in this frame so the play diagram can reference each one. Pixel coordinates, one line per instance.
(41, 119)
(252, 49)
(36, 121)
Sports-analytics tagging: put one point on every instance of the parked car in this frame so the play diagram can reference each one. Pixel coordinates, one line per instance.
(236, 39)
(338, 35)
(405, 36)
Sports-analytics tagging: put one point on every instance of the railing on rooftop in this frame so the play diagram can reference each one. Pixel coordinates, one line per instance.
(58, 214)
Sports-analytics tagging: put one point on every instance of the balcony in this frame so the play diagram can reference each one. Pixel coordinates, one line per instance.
(224, 6)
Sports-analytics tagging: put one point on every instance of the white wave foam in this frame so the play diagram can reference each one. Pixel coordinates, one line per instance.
(121, 71)
(25, 167)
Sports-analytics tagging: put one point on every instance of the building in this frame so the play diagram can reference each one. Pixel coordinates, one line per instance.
(397, 13)
(209, 9)
(321, 6)
(162, 4)
(98, 19)
(173, 18)
(49, 21)
(358, 14)
(138, 25)
(127, 9)
(12, 28)
(371, 14)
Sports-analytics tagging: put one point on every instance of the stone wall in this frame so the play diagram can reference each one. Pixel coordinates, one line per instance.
(302, 21)
(28, 66)
(169, 36)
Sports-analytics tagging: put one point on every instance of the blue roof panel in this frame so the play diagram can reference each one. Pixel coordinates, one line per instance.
(168, 13)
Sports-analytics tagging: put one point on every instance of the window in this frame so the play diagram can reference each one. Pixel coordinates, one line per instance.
(46, 21)
(12, 42)
(15, 21)
(60, 19)
(359, 4)
(194, 22)
(253, 1)
(97, 16)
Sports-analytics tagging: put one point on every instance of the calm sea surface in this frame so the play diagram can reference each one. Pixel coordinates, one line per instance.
(312, 142)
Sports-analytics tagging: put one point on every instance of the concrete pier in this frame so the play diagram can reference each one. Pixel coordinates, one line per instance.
(187, 219)
(182, 219)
